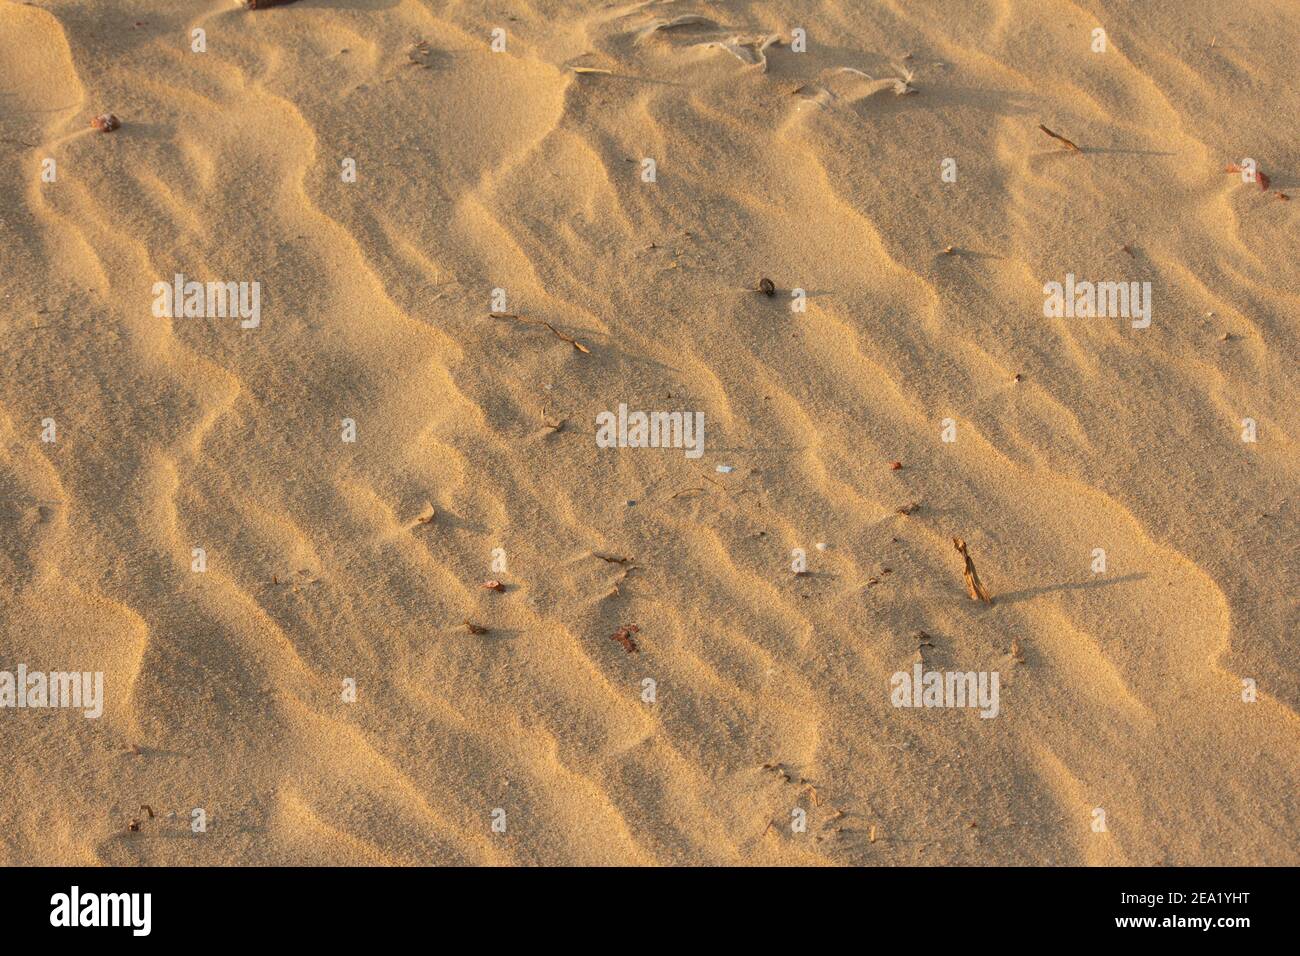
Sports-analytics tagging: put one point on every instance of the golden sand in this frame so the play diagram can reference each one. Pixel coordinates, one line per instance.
(333, 564)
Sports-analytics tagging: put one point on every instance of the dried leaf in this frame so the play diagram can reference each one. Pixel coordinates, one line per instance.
(475, 628)
(624, 636)
(493, 586)
(1058, 136)
(976, 590)
(106, 122)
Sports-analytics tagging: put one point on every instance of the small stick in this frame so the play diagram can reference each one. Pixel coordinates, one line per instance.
(976, 590)
(554, 331)
(685, 491)
(1067, 142)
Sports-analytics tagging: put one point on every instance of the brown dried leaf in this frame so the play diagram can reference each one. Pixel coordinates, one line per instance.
(976, 590)
(1058, 136)
(624, 636)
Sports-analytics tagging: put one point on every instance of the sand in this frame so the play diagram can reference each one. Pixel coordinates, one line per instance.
(539, 741)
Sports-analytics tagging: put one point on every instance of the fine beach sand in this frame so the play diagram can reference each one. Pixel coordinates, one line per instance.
(479, 170)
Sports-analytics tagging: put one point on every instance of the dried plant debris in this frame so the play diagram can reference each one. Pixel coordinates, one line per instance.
(624, 636)
(493, 586)
(750, 50)
(610, 558)
(1260, 177)
(554, 331)
(908, 509)
(106, 122)
(263, 4)
(976, 590)
(420, 53)
(778, 768)
(1057, 136)
(475, 628)
(901, 85)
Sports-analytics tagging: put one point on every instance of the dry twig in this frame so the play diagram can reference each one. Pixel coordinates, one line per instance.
(1058, 136)
(554, 331)
(976, 590)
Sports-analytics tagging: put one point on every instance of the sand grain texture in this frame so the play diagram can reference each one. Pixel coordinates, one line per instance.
(522, 170)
